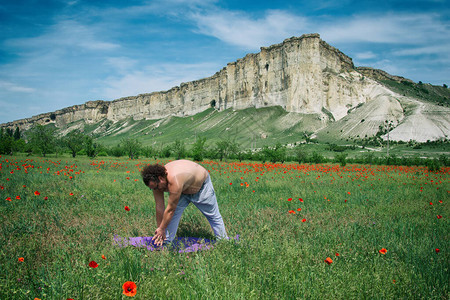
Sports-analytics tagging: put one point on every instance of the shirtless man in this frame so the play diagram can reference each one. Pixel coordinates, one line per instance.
(186, 182)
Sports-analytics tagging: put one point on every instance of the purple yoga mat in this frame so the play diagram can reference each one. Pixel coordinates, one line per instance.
(180, 244)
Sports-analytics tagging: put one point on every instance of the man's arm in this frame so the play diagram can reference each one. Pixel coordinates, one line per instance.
(159, 206)
(174, 196)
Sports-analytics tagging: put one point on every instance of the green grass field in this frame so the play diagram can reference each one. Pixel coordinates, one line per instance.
(59, 214)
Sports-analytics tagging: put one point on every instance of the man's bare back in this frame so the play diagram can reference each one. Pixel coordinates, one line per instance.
(187, 174)
(183, 179)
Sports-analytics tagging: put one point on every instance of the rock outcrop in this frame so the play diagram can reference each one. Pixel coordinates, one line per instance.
(301, 74)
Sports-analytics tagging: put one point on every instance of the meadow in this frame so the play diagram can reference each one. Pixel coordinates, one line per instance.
(305, 232)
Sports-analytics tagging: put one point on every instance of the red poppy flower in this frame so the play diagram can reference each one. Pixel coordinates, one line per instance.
(127, 208)
(303, 220)
(300, 199)
(8, 199)
(440, 201)
(290, 199)
(299, 209)
(103, 256)
(292, 212)
(18, 198)
(129, 289)
(337, 254)
(437, 250)
(71, 194)
(36, 193)
(382, 251)
(93, 264)
(328, 260)
(439, 216)
(21, 259)
(45, 198)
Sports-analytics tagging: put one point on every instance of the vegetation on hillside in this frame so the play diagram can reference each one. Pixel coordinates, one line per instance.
(426, 92)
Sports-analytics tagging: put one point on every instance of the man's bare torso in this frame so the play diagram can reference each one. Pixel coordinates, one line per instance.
(187, 174)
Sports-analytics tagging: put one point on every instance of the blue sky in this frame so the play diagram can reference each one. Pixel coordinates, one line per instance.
(59, 53)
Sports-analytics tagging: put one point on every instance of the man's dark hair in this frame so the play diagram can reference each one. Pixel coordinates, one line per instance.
(152, 172)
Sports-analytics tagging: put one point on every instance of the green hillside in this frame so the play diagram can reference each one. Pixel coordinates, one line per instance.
(250, 128)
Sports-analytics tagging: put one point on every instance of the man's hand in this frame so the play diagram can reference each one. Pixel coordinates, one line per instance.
(159, 237)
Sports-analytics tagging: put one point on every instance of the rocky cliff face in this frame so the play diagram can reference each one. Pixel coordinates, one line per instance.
(302, 75)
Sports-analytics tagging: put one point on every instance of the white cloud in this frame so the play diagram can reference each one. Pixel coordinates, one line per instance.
(412, 29)
(12, 87)
(240, 29)
(365, 55)
(66, 34)
(434, 49)
(154, 78)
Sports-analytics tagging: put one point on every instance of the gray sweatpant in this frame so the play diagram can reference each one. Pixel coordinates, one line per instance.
(205, 200)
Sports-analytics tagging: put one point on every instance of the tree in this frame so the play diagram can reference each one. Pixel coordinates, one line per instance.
(388, 125)
(74, 140)
(317, 158)
(274, 154)
(341, 158)
(90, 146)
(17, 134)
(132, 147)
(42, 138)
(300, 154)
(198, 149)
(179, 149)
(6, 142)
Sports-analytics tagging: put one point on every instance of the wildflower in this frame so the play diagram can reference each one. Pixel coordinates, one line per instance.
(437, 250)
(300, 199)
(21, 259)
(129, 289)
(18, 198)
(45, 198)
(431, 203)
(303, 220)
(71, 194)
(93, 264)
(337, 254)
(36, 193)
(439, 216)
(290, 199)
(103, 256)
(8, 199)
(292, 212)
(440, 201)
(382, 251)
(127, 208)
(328, 260)
(299, 209)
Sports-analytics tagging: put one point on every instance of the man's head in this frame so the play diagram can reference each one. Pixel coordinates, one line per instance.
(152, 173)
